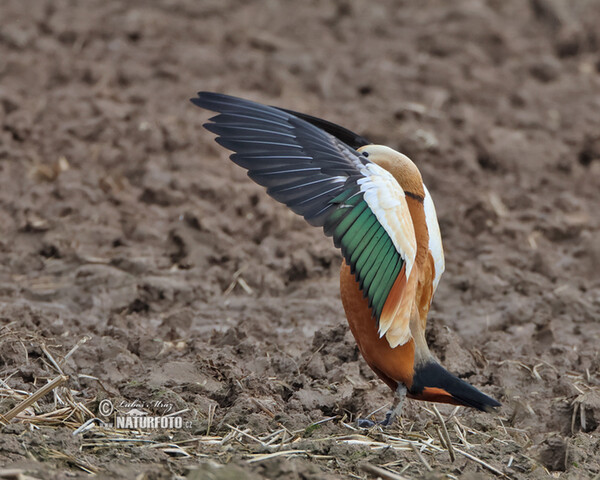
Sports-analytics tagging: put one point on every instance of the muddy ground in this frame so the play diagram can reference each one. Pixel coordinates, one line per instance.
(123, 223)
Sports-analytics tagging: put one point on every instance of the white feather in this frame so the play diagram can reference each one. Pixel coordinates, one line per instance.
(387, 201)
(435, 238)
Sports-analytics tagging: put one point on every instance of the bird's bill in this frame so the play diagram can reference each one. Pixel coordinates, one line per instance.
(433, 383)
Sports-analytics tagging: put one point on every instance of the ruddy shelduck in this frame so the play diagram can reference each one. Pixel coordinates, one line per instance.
(371, 199)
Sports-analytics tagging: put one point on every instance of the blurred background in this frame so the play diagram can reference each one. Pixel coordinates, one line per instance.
(122, 220)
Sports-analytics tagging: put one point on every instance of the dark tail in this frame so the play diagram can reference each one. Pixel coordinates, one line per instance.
(434, 383)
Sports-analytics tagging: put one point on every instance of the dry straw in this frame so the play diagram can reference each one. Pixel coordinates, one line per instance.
(416, 451)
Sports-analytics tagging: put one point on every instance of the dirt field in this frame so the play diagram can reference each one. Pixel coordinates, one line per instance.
(126, 232)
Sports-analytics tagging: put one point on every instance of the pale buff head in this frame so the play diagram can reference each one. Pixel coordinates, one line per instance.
(399, 165)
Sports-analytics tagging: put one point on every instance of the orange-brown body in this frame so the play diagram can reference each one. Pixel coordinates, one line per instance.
(397, 365)
(392, 365)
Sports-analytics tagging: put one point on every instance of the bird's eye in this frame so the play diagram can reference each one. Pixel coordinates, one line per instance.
(366, 154)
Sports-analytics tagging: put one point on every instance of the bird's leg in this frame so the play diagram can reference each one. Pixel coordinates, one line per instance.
(399, 396)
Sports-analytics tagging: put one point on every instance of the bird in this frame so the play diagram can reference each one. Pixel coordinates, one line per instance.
(372, 201)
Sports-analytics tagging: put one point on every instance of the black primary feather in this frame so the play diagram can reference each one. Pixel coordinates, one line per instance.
(350, 138)
(300, 163)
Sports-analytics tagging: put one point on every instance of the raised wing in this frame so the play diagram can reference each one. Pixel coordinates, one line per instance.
(331, 185)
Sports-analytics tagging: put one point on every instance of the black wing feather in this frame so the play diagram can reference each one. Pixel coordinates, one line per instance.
(343, 134)
(304, 162)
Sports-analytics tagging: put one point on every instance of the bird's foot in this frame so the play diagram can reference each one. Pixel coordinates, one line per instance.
(366, 423)
(391, 415)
